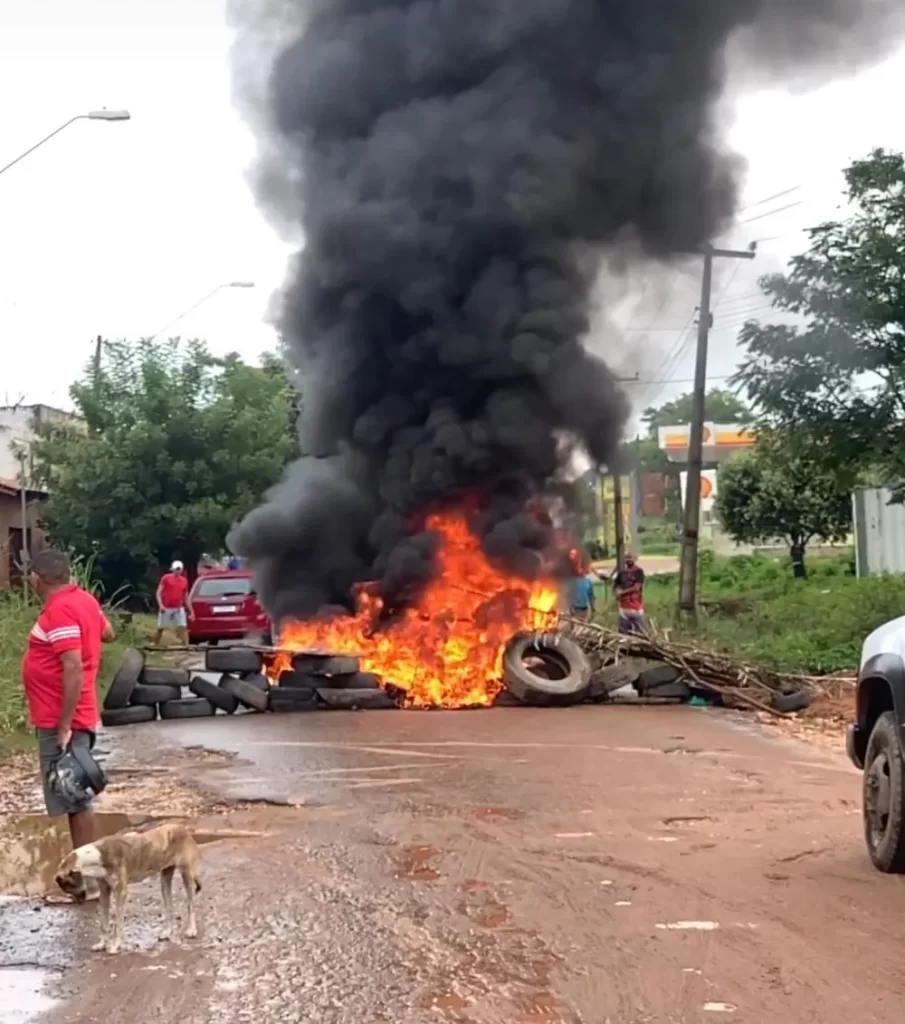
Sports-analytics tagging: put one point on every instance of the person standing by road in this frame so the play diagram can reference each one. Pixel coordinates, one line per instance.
(173, 603)
(628, 586)
(59, 676)
(582, 598)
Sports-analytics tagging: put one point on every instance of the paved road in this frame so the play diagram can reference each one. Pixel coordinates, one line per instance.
(653, 565)
(609, 865)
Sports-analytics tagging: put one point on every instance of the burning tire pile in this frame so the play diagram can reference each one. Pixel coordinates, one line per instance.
(538, 669)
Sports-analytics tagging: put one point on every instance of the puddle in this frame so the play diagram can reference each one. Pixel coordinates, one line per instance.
(414, 862)
(22, 995)
(32, 845)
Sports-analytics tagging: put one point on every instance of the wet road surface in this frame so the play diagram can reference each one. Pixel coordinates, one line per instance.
(609, 865)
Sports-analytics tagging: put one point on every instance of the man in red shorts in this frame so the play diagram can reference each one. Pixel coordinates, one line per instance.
(59, 674)
(628, 586)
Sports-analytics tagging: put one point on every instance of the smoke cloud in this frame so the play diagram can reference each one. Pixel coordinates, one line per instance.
(458, 170)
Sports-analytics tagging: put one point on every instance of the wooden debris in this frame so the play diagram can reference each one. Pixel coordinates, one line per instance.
(739, 683)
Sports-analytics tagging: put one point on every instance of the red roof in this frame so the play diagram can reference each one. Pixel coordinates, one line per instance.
(10, 486)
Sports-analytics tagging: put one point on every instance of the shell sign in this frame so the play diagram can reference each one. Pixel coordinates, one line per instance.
(708, 488)
(720, 440)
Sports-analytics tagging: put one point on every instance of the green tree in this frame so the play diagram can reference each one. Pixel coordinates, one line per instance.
(841, 373)
(782, 488)
(178, 446)
(720, 406)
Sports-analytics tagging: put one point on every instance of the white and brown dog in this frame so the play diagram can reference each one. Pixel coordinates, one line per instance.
(118, 860)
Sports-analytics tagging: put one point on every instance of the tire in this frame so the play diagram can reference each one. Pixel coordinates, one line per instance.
(295, 680)
(130, 715)
(187, 707)
(883, 799)
(233, 659)
(356, 700)
(157, 676)
(798, 700)
(325, 664)
(247, 694)
(608, 679)
(565, 672)
(257, 679)
(292, 699)
(356, 681)
(215, 694)
(151, 694)
(124, 681)
(655, 677)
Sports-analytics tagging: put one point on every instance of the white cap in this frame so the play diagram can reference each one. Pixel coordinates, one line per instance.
(176, 566)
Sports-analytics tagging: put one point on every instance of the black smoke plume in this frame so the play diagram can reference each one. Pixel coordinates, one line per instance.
(458, 169)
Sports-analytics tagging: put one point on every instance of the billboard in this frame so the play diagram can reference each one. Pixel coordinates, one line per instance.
(708, 488)
(720, 440)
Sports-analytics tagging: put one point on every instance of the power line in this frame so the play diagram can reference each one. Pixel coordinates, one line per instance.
(769, 199)
(769, 213)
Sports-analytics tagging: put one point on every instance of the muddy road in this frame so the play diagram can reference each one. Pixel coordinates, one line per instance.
(615, 864)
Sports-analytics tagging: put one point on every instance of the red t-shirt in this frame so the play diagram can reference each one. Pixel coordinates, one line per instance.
(627, 578)
(173, 590)
(71, 620)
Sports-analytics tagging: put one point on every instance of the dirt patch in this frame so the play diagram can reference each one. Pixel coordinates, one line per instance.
(822, 724)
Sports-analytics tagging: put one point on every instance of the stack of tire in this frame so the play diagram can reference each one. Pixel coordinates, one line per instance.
(142, 693)
(319, 680)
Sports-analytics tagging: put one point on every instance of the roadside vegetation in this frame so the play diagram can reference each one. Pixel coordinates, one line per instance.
(753, 608)
(17, 616)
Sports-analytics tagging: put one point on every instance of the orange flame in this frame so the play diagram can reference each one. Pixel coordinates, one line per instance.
(447, 649)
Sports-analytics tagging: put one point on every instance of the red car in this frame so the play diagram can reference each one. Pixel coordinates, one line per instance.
(225, 607)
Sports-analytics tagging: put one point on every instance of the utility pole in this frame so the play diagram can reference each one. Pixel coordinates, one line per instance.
(96, 375)
(25, 553)
(688, 563)
(618, 521)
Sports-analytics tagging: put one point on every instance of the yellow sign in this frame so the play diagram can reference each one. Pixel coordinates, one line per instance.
(719, 435)
(608, 502)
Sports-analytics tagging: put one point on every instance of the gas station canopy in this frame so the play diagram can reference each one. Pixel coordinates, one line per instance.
(721, 440)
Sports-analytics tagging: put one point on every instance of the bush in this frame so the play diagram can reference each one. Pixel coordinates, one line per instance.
(17, 616)
(814, 626)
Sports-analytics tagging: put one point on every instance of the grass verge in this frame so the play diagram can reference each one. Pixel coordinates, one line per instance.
(754, 609)
(17, 616)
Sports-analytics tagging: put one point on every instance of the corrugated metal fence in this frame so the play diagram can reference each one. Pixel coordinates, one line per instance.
(879, 532)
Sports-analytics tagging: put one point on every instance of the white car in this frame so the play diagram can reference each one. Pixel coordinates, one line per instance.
(875, 742)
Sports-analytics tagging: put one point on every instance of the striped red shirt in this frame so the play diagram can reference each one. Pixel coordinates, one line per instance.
(71, 620)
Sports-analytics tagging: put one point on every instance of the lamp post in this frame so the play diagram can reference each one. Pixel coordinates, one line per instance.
(93, 115)
(201, 302)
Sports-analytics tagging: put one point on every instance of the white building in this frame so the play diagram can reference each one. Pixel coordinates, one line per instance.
(19, 428)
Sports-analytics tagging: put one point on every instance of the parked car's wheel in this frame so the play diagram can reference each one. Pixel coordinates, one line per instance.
(884, 795)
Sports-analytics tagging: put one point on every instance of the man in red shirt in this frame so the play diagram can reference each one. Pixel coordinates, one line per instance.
(173, 603)
(59, 675)
(628, 585)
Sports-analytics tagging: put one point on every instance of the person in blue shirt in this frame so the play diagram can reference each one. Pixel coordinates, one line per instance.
(582, 597)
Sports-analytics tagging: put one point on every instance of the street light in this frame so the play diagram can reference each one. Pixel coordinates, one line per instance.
(92, 115)
(201, 302)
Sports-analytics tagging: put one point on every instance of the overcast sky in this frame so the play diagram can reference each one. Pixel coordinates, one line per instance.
(116, 229)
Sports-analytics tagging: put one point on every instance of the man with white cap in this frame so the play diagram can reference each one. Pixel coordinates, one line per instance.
(173, 603)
